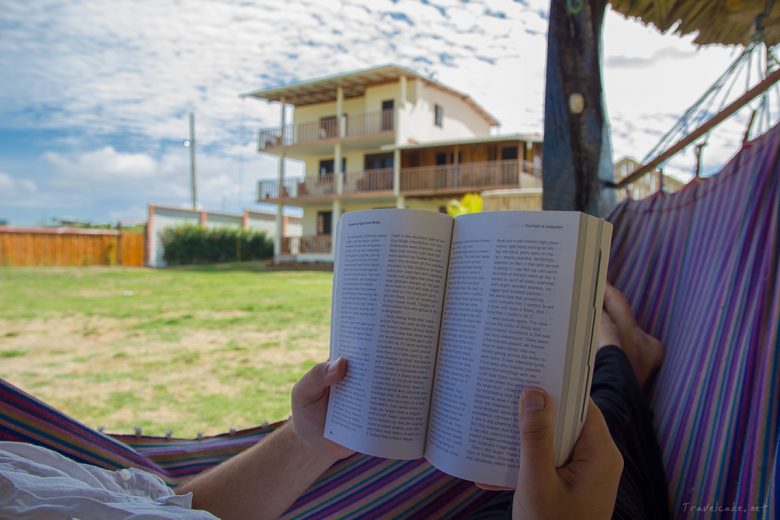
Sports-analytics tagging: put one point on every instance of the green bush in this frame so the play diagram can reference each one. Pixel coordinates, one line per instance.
(191, 244)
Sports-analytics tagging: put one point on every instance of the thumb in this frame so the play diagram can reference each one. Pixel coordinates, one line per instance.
(536, 434)
(313, 384)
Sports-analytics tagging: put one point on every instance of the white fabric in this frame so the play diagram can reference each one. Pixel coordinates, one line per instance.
(38, 483)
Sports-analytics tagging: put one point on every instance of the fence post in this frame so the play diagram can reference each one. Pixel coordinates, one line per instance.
(119, 244)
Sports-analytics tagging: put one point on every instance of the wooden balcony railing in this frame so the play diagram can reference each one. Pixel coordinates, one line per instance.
(467, 176)
(297, 187)
(370, 123)
(355, 125)
(318, 244)
(369, 180)
(423, 180)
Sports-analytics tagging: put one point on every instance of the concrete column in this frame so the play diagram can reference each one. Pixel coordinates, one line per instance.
(341, 127)
(337, 169)
(400, 202)
(280, 178)
(334, 224)
(400, 108)
(279, 211)
(397, 172)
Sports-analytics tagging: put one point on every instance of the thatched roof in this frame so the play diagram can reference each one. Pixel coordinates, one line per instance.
(728, 22)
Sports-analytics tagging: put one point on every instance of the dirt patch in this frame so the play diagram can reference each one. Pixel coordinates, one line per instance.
(104, 371)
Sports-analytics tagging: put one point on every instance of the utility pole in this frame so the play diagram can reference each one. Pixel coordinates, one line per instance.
(190, 143)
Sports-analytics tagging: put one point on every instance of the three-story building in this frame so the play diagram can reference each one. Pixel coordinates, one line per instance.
(379, 138)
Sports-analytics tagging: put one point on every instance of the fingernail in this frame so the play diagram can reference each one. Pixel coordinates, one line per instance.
(333, 366)
(533, 399)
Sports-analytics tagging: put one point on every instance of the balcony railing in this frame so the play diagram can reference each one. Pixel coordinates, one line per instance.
(466, 176)
(369, 180)
(355, 125)
(297, 187)
(370, 123)
(424, 180)
(317, 244)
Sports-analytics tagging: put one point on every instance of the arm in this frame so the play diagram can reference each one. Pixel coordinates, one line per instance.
(263, 481)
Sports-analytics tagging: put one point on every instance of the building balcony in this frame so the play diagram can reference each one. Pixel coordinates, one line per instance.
(324, 130)
(423, 181)
(452, 179)
(306, 245)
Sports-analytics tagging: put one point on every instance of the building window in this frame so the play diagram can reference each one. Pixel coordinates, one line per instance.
(509, 153)
(324, 222)
(378, 161)
(438, 115)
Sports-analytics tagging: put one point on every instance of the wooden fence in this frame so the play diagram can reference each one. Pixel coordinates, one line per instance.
(65, 246)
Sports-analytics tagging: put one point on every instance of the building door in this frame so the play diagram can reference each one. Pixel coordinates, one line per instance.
(387, 114)
(446, 173)
(380, 166)
(324, 222)
(328, 127)
(510, 166)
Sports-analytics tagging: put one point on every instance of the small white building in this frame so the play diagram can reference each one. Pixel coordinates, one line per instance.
(162, 217)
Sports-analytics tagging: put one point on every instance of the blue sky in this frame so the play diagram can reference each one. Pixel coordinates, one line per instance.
(94, 95)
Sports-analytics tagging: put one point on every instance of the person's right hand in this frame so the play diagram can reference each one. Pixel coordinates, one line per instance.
(584, 488)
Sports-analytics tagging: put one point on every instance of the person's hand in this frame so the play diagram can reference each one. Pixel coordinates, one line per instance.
(310, 404)
(584, 488)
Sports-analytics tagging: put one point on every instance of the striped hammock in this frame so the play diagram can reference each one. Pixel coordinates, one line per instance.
(357, 487)
(700, 268)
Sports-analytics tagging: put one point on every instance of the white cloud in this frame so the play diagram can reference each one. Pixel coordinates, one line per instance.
(133, 70)
(12, 188)
(103, 165)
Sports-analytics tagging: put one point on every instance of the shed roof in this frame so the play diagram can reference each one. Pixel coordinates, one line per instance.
(726, 22)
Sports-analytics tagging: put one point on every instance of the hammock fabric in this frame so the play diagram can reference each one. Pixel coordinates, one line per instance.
(357, 487)
(700, 268)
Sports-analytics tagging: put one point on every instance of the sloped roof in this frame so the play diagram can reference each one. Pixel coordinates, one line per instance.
(726, 22)
(354, 84)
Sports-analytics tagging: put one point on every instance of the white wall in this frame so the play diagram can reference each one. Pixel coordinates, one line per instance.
(460, 120)
(161, 217)
(378, 93)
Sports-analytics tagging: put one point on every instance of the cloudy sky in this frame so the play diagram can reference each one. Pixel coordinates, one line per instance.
(94, 95)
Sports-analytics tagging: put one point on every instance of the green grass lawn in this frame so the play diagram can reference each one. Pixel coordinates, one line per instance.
(191, 349)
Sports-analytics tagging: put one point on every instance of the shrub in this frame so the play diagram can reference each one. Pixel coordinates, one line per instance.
(191, 244)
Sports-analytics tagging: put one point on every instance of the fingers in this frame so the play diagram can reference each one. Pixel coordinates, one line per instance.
(536, 435)
(313, 384)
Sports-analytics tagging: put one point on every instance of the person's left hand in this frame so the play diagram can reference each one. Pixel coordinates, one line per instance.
(310, 405)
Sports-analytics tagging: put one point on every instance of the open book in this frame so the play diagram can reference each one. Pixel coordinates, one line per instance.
(444, 321)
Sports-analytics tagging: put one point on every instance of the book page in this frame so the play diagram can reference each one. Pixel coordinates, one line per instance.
(505, 326)
(389, 277)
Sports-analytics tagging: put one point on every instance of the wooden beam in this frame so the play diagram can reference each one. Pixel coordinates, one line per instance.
(708, 125)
